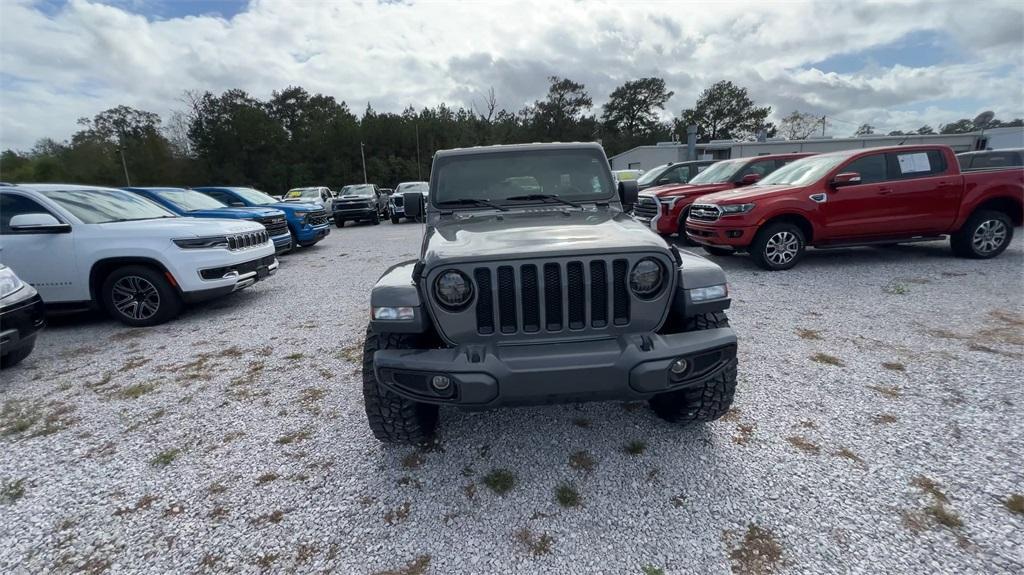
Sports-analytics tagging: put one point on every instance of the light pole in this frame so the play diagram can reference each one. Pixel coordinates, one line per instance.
(362, 154)
(419, 174)
(124, 164)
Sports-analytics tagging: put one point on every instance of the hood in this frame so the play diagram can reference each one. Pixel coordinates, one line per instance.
(237, 213)
(355, 197)
(292, 207)
(176, 228)
(532, 233)
(679, 189)
(747, 194)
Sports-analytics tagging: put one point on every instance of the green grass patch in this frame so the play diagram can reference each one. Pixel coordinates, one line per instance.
(567, 496)
(500, 481)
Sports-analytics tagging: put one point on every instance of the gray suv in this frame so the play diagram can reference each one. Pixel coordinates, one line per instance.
(533, 285)
(360, 203)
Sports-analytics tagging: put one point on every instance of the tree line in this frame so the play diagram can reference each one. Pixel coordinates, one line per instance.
(296, 138)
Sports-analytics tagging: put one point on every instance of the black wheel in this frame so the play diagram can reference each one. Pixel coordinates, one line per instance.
(15, 357)
(339, 222)
(718, 251)
(376, 218)
(778, 246)
(393, 418)
(681, 229)
(140, 296)
(984, 235)
(702, 403)
(395, 219)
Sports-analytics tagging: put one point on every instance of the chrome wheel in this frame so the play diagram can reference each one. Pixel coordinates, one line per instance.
(135, 297)
(988, 236)
(782, 248)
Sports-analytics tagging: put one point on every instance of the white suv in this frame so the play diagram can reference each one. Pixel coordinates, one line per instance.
(85, 246)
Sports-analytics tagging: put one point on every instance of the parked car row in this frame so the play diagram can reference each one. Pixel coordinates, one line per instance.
(774, 207)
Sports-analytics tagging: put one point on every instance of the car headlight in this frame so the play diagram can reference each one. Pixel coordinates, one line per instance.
(646, 278)
(200, 243)
(9, 282)
(453, 289)
(736, 208)
(708, 293)
(405, 313)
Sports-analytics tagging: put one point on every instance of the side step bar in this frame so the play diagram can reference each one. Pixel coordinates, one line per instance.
(910, 240)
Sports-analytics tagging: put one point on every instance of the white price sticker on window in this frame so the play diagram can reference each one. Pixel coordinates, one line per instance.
(914, 163)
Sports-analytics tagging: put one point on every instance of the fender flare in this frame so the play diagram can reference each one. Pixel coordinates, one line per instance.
(397, 287)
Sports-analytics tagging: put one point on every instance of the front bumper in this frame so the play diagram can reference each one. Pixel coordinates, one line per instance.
(356, 214)
(20, 322)
(719, 235)
(282, 243)
(240, 277)
(627, 367)
(312, 234)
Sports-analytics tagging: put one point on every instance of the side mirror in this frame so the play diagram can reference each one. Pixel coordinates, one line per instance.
(38, 224)
(846, 179)
(749, 179)
(413, 204)
(628, 191)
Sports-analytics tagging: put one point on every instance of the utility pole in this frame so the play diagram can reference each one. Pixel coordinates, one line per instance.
(362, 154)
(124, 164)
(823, 126)
(419, 173)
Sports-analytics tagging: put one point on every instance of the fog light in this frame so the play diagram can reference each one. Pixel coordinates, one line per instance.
(679, 366)
(440, 383)
(734, 233)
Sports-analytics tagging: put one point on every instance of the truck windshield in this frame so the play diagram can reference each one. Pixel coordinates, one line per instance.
(802, 172)
(255, 196)
(577, 175)
(189, 200)
(653, 174)
(357, 190)
(303, 193)
(719, 172)
(105, 206)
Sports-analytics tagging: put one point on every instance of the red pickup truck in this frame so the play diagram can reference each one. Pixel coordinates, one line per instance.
(859, 197)
(664, 208)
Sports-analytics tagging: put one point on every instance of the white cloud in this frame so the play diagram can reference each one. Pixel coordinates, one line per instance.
(88, 56)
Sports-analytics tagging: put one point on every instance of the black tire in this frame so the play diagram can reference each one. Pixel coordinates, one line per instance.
(339, 222)
(721, 252)
(15, 357)
(376, 218)
(984, 235)
(140, 296)
(703, 403)
(395, 219)
(681, 229)
(393, 418)
(778, 246)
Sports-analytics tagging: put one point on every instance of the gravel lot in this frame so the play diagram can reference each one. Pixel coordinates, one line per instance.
(875, 429)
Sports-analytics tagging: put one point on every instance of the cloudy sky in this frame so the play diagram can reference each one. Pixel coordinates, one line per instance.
(896, 65)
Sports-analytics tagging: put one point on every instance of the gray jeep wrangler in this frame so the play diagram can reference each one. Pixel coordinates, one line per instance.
(535, 286)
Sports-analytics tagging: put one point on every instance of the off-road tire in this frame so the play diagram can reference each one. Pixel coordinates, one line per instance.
(396, 220)
(962, 241)
(777, 233)
(393, 418)
(339, 222)
(376, 218)
(15, 357)
(720, 252)
(169, 302)
(703, 403)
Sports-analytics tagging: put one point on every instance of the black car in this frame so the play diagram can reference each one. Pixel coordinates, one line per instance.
(21, 318)
(672, 173)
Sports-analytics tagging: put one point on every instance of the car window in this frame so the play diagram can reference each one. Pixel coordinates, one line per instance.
(915, 164)
(100, 206)
(223, 197)
(189, 200)
(965, 161)
(762, 169)
(15, 205)
(872, 169)
(992, 160)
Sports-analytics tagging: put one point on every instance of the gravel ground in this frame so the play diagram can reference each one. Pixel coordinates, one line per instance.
(875, 429)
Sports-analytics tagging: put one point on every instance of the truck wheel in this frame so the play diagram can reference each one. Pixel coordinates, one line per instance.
(778, 246)
(706, 402)
(139, 296)
(984, 235)
(15, 357)
(393, 418)
(339, 222)
(395, 219)
(721, 252)
(681, 230)
(376, 218)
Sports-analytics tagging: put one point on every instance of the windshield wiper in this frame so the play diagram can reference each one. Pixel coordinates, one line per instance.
(545, 197)
(472, 202)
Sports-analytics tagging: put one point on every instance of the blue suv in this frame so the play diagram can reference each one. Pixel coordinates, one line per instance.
(308, 223)
(192, 204)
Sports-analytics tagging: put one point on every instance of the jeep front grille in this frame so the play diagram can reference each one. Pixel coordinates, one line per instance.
(705, 212)
(398, 199)
(248, 240)
(645, 208)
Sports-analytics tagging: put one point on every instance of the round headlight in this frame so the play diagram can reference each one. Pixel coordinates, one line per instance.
(646, 278)
(453, 289)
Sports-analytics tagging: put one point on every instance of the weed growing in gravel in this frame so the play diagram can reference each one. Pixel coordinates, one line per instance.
(165, 457)
(567, 496)
(944, 515)
(888, 391)
(209, 560)
(469, 490)
(219, 512)
(803, 444)
(1015, 503)
(894, 366)
(293, 437)
(266, 561)
(294, 356)
(582, 461)
(636, 447)
(746, 433)
(266, 478)
(930, 487)
(652, 570)
(827, 359)
(537, 545)
(144, 502)
(581, 422)
(733, 414)
(413, 460)
(847, 454)
(808, 333)
(274, 517)
(417, 566)
(136, 391)
(500, 481)
(398, 514)
(11, 491)
(216, 488)
(352, 353)
(406, 481)
(895, 288)
(304, 553)
(18, 416)
(758, 553)
(57, 419)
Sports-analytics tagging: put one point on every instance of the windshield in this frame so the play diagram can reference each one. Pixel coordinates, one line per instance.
(580, 175)
(801, 172)
(303, 193)
(189, 200)
(254, 196)
(103, 206)
(652, 175)
(357, 190)
(719, 172)
(421, 187)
